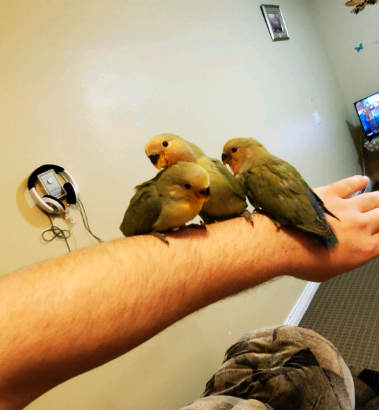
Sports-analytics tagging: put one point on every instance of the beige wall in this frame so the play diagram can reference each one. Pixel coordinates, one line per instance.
(85, 84)
(356, 72)
(342, 31)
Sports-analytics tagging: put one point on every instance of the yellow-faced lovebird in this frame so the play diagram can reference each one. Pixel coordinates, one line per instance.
(171, 199)
(227, 199)
(274, 187)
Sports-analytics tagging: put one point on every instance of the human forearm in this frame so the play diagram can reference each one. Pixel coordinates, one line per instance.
(67, 315)
(70, 314)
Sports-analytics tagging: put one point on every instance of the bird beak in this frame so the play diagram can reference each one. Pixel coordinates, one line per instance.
(154, 158)
(158, 161)
(225, 158)
(205, 193)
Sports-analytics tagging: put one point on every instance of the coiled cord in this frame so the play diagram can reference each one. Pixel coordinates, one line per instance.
(57, 233)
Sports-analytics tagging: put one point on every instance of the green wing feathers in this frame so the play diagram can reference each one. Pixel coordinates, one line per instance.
(279, 190)
(234, 185)
(143, 211)
(227, 198)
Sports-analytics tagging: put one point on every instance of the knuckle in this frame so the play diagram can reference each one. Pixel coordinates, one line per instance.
(358, 221)
(369, 248)
(374, 197)
(353, 181)
(356, 181)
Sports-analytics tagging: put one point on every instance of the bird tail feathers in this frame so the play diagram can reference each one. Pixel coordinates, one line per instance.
(327, 242)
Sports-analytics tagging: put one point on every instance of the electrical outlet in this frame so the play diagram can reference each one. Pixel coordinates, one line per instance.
(317, 117)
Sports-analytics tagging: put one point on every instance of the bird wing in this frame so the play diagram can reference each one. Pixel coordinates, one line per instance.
(234, 185)
(227, 198)
(279, 190)
(143, 211)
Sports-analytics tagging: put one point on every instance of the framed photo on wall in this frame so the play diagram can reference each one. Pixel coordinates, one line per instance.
(275, 22)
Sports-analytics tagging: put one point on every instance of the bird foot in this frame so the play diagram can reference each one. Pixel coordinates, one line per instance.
(200, 225)
(248, 216)
(276, 223)
(161, 236)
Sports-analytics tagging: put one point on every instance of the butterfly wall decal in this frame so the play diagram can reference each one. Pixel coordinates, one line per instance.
(359, 48)
(360, 4)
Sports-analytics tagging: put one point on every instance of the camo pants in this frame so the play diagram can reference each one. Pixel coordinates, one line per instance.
(287, 368)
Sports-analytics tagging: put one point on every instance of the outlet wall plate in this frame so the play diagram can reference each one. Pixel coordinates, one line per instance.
(317, 117)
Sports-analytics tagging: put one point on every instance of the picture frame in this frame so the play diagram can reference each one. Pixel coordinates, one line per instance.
(275, 22)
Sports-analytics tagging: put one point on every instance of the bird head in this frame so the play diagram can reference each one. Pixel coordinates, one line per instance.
(237, 151)
(186, 181)
(165, 150)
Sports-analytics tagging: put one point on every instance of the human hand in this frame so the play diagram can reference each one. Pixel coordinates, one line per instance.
(357, 229)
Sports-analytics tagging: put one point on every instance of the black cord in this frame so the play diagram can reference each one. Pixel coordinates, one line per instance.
(85, 219)
(64, 233)
(57, 233)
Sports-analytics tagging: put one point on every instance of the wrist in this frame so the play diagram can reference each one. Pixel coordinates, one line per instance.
(289, 251)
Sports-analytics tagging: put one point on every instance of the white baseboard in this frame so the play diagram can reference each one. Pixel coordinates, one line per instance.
(302, 304)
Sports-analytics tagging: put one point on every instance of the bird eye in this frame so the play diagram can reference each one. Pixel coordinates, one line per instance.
(187, 186)
(234, 149)
(165, 143)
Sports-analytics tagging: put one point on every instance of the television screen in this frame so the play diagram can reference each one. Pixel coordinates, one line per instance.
(368, 112)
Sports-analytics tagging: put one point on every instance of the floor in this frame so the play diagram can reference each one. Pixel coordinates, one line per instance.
(345, 310)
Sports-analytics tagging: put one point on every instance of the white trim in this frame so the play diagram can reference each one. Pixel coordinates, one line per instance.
(302, 304)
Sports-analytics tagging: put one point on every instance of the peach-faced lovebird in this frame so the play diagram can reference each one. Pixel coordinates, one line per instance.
(274, 187)
(227, 199)
(170, 200)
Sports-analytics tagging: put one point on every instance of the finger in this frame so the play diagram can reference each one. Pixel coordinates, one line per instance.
(348, 186)
(367, 201)
(376, 237)
(373, 220)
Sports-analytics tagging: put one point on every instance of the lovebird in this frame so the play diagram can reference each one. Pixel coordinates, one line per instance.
(168, 201)
(227, 199)
(276, 188)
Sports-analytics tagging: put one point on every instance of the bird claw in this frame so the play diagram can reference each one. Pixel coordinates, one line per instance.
(277, 224)
(248, 216)
(161, 236)
(200, 225)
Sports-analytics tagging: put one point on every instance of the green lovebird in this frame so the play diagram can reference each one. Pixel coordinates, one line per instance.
(227, 199)
(168, 201)
(274, 187)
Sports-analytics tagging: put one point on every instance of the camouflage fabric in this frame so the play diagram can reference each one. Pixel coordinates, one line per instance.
(281, 368)
(366, 384)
